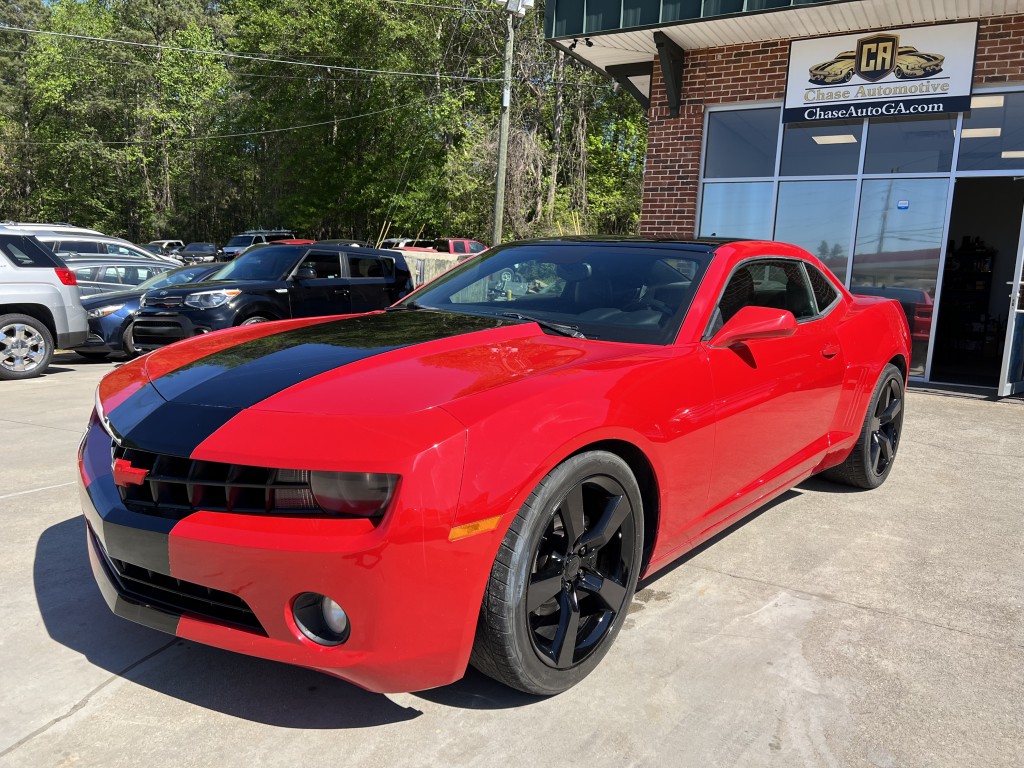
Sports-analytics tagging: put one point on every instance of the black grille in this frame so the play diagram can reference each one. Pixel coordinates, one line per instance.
(176, 487)
(171, 595)
(162, 301)
(158, 332)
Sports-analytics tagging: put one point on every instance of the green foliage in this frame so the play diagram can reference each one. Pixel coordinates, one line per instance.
(152, 141)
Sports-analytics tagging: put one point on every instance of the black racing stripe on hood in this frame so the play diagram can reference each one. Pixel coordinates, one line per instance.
(241, 376)
(181, 409)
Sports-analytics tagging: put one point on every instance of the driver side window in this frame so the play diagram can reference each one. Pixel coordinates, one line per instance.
(778, 283)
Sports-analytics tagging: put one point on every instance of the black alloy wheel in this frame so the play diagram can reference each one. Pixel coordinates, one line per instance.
(886, 423)
(871, 459)
(580, 571)
(564, 577)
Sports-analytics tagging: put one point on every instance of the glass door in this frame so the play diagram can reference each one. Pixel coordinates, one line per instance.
(1011, 378)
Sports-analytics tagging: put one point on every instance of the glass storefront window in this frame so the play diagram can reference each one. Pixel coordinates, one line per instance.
(737, 209)
(818, 216)
(742, 143)
(899, 240)
(821, 149)
(910, 144)
(992, 137)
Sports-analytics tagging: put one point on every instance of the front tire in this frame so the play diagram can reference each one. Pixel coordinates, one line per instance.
(564, 577)
(254, 319)
(871, 460)
(26, 347)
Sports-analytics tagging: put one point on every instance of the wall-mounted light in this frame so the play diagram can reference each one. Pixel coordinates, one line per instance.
(589, 43)
(842, 138)
(980, 133)
(985, 102)
(575, 42)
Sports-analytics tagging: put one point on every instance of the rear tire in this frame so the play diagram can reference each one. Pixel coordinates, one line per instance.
(871, 460)
(26, 347)
(564, 577)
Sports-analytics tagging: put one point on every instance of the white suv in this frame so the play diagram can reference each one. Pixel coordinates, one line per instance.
(39, 306)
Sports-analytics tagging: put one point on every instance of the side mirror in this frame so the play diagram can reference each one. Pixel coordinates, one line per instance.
(752, 323)
(305, 273)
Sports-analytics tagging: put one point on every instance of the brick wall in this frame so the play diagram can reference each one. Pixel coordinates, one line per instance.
(751, 73)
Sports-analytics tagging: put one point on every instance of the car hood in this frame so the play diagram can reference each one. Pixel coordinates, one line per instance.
(213, 285)
(388, 362)
(112, 297)
(368, 380)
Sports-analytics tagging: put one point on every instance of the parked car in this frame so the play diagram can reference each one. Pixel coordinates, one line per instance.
(71, 243)
(293, 241)
(39, 306)
(111, 314)
(110, 273)
(465, 248)
(33, 227)
(481, 477)
(406, 242)
(198, 252)
(917, 305)
(346, 241)
(239, 243)
(167, 246)
(274, 283)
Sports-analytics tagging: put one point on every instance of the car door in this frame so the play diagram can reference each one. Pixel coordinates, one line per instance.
(368, 281)
(775, 398)
(318, 285)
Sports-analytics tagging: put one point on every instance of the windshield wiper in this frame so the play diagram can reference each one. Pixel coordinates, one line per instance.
(561, 330)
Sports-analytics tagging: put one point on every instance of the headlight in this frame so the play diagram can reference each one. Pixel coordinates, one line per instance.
(211, 299)
(361, 494)
(95, 314)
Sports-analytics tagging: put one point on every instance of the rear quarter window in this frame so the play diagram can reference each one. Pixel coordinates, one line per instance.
(26, 252)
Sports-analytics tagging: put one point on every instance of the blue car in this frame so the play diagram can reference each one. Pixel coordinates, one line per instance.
(111, 314)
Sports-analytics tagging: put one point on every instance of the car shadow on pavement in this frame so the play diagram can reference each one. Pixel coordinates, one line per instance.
(76, 616)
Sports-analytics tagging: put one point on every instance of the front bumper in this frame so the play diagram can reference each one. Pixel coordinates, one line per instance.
(229, 580)
(154, 329)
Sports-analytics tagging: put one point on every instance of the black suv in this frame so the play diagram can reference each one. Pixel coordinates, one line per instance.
(274, 283)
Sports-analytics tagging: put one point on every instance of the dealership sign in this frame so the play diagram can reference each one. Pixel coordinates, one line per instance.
(920, 70)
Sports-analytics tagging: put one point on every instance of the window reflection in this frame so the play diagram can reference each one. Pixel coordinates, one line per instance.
(899, 240)
(821, 149)
(818, 216)
(910, 144)
(742, 143)
(742, 209)
(992, 137)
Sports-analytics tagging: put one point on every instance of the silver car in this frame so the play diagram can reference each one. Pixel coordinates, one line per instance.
(40, 308)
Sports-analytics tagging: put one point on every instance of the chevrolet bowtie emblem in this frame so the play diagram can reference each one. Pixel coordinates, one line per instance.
(125, 474)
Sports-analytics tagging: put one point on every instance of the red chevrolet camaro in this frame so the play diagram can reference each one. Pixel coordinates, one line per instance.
(481, 473)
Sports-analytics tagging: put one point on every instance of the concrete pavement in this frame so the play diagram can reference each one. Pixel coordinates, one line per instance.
(834, 628)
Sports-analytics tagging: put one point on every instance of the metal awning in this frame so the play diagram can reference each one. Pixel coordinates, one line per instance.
(624, 50)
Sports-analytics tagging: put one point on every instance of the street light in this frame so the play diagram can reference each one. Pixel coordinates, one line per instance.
(512, 8)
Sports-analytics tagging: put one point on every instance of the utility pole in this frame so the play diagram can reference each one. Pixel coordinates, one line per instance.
(513, 8)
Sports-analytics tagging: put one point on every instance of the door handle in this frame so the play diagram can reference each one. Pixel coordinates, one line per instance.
(830, 350)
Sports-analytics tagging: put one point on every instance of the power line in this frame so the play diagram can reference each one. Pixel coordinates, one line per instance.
(213, 137)
(249, 57)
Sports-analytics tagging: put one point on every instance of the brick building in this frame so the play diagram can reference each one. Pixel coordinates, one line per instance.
(885, 137)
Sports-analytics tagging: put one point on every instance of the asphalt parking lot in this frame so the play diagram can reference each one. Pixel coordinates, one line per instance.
(835, 628)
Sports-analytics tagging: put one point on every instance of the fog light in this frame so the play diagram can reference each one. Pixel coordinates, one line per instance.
(334, 616)
(320, 618)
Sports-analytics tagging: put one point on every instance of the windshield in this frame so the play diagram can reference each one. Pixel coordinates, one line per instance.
(174, 277)
(270, 263)
(240, 240)
(630, 291)
(201, 247)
